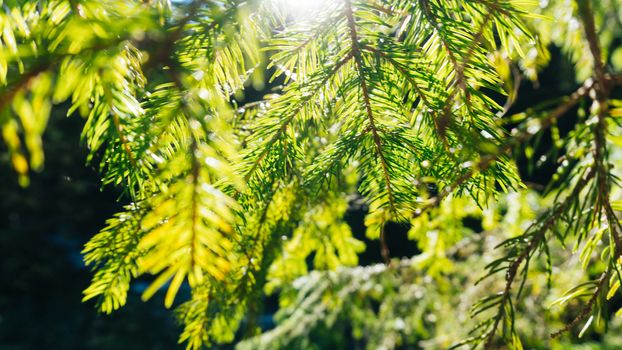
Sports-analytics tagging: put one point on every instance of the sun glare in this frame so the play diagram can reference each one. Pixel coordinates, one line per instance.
(304, 8)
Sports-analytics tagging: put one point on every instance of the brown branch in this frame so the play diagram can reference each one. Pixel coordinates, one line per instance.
(509, 280)
(384, 248)
(383, 9)
(587, 309)
(495, 6)
(614, 224)
(602, 89)
(587, 17)
(536, 238)
(370, 116)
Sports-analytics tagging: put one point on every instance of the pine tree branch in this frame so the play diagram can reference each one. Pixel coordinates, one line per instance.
(587, 17)
(114, 253)
(45, 64)
(602, 88)
(512, 142)
(403, 71)
(425, 5)
(293, 114)
(587, 309)
(459, 67)
(410, 80)
(535, 240)
(355, 50)
(460, 79)
(614, 226)
(494, 6)
(443, 121)
(383, 9)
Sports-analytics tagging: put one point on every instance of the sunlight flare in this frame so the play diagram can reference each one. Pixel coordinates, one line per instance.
(303, 9)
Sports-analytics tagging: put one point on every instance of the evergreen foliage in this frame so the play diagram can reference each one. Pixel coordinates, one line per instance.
(392, 102)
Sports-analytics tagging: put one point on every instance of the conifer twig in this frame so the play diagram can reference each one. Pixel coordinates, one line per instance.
(292, 115)
(585, 311)
(536, 238)
(410, 80)
(602, 88)
(459, 78)
(488, 159)
(372, 123)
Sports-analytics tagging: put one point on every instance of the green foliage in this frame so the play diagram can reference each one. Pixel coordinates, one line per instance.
(392, 102)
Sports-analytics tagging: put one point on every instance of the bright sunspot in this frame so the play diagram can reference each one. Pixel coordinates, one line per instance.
(303, 9)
